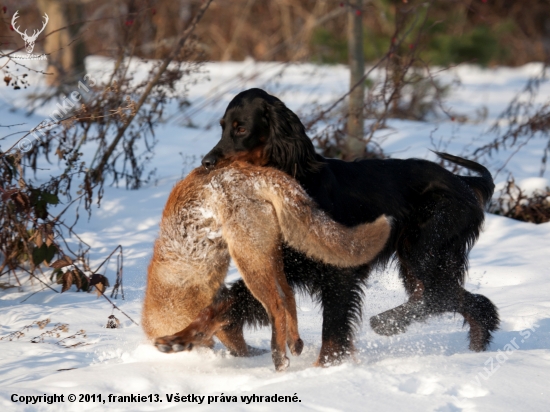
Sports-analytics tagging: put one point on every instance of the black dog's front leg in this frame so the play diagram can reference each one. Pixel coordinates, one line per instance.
(340, 293)
(342, 299)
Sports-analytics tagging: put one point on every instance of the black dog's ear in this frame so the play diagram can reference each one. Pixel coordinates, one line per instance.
(288, 147)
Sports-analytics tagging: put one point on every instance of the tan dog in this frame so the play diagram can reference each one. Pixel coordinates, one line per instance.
(243, 212)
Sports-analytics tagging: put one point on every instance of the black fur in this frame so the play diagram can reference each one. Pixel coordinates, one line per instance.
(438, 216)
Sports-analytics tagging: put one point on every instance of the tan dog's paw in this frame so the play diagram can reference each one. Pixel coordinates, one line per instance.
(177, 343)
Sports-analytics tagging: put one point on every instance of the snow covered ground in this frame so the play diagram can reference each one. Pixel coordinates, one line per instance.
(429, 368)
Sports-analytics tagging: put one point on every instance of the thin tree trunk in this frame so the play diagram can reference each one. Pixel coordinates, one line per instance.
(355, 146)
(286, 22)
(227, 54)
(65, 53)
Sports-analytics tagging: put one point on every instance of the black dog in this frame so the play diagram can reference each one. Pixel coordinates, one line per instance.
(437, 215)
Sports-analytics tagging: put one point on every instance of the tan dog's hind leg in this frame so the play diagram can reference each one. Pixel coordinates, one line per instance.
(295, 344)
(262, 271)
(211, 320)
(255, 247)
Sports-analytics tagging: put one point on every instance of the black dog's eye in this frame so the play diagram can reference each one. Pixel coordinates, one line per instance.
(241, 130)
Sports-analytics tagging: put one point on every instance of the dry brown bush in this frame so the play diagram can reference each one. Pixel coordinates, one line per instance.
(515, 203)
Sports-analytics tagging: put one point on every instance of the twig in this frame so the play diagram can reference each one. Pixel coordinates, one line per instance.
(31, 295)
(37, 278)
(12, 125)
(97, 171)
(118, 282)
(115, 306)
(337, 102)
(108, 257)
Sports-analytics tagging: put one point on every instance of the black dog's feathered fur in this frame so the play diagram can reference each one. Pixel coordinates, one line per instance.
(437, 219)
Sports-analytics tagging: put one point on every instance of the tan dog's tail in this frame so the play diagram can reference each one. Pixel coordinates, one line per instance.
(310, 230)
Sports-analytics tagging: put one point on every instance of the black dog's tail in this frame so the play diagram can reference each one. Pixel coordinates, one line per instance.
(484, 184)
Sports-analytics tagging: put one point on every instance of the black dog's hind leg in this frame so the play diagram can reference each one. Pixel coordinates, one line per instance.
(433, 261)
(478, 311)
(482, 316)
(396, 320)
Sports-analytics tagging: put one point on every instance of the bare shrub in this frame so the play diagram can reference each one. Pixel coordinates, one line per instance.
(515, 203)
(523, 120)
(115, 118)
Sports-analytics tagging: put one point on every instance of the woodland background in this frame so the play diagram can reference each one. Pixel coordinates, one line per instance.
(129, 100)
(156, 49)
(487, 32)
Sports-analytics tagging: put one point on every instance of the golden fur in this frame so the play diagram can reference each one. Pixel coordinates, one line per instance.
(243, 212)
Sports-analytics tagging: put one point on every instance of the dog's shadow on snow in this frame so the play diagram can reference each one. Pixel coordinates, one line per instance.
(373, 348)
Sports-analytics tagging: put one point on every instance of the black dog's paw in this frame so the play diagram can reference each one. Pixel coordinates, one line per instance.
(252, 351)
(386, 325)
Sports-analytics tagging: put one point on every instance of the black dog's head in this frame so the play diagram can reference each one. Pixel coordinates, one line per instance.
(258, 128)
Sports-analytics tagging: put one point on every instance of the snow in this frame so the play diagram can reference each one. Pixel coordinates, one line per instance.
(429, 368)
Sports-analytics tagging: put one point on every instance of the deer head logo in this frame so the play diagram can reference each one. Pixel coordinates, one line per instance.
(29, 40)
